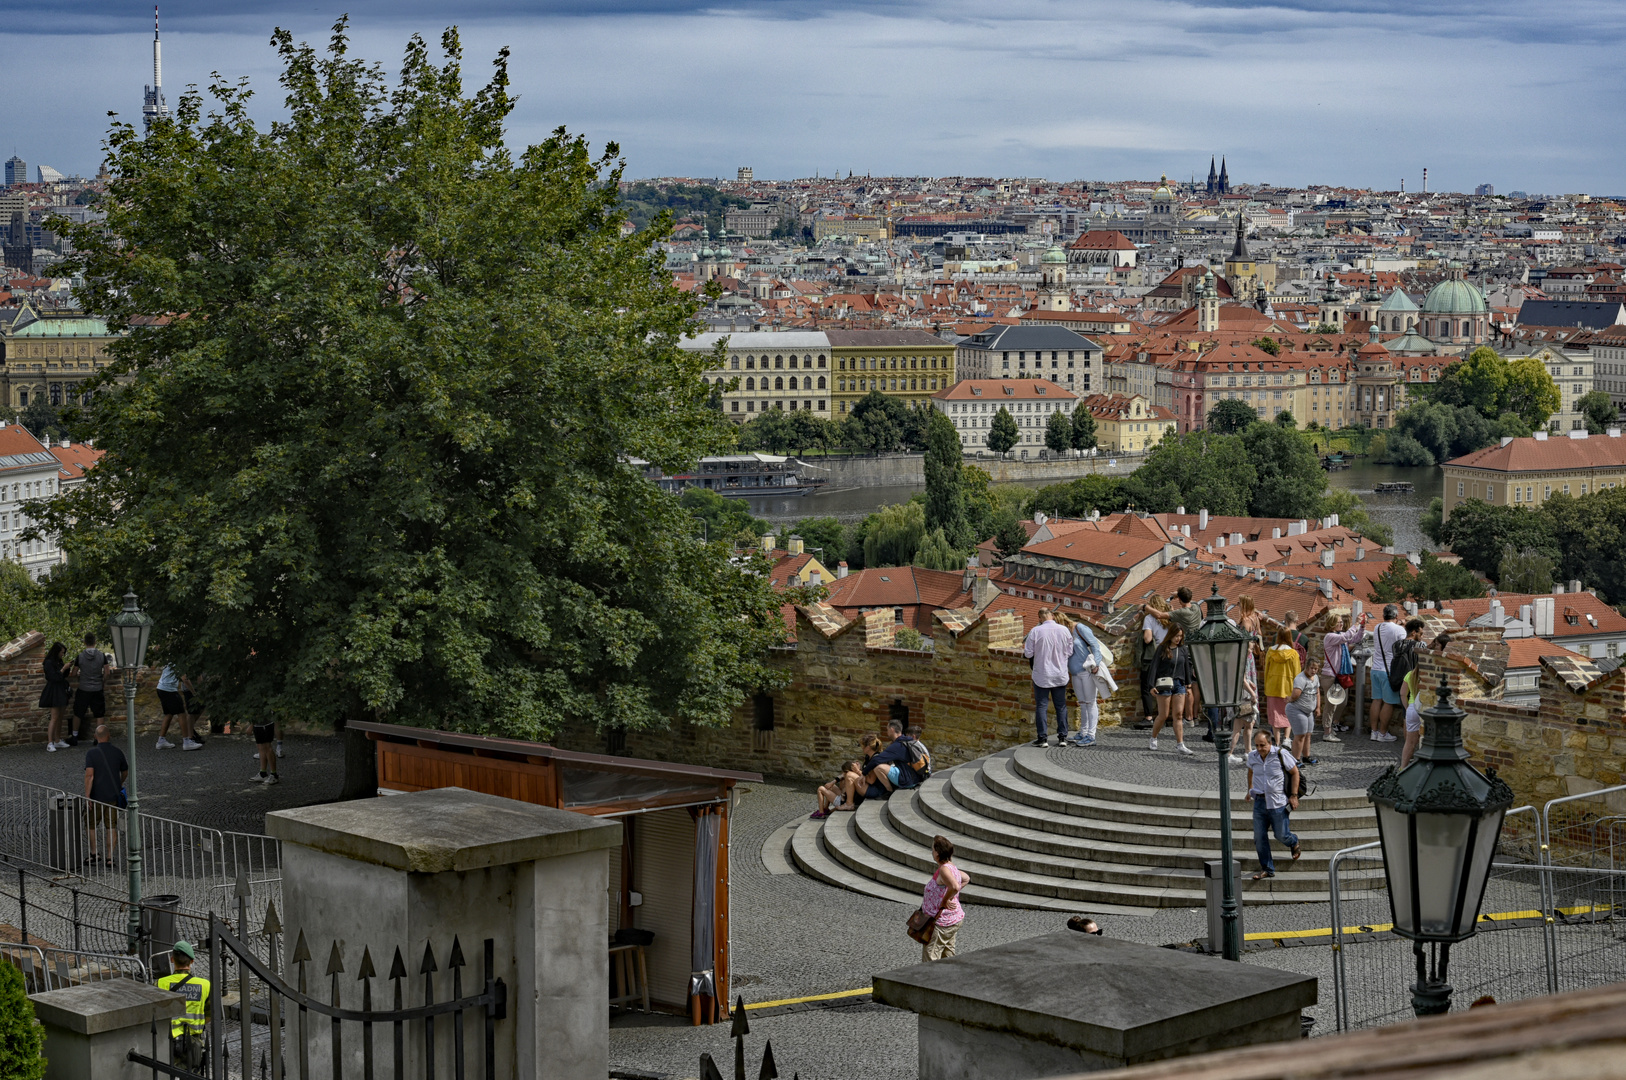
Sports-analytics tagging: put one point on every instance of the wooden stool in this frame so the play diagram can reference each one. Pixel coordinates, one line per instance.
(629, 978)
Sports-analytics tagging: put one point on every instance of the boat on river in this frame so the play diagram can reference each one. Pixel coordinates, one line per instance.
(740, 476)
(1395, 487)
(1334, 462)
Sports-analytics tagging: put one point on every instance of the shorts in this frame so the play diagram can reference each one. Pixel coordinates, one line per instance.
(892, 774)
(1414, 718)
(264, 734)
(100, 813)
(171, 702)
(1381, 691)
(1178, 691)
(88, 703)
(1300, 723)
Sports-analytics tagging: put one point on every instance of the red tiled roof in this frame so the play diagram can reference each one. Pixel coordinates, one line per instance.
(1005, 390)
(76, 459)
(1102, 240)
(1099, 548)
(1527, 652)
(1545, 455)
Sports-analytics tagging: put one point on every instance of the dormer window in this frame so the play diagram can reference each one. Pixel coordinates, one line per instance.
(976, 391)
(1009, 391)
(1039, 390)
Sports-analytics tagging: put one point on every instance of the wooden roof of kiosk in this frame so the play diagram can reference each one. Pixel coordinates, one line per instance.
(642, 793)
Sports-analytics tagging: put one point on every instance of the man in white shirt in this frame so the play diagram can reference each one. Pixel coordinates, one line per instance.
(1273, 785)
(1385, 698)
(1049, 646)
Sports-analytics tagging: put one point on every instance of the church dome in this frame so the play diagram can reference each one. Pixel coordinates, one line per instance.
(1053, 256)
(1455, 297)
(1163, 194)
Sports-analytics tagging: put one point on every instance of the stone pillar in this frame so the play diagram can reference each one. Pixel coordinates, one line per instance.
(414, 870)
(90, 1029)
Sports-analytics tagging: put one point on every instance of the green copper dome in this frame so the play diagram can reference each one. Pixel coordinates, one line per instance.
(1454, 297)
(1053, 256)
(1398, 301)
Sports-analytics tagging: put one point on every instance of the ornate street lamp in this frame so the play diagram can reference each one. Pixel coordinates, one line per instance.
(1219, 651)
(131, 630)
(1439, 820)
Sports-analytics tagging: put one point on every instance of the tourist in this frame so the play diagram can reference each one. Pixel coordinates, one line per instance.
(105, 770)
(264, 734)
(54, 696)
(1385, 698)
(886, 768)
(1270, 770)
(1247, 713)
(1084, 925)
(1048, 646)
(90, 700)
(941, 901)
(1336, 661)
(1092, 678)
(1169, 678)
(173, 705)
(1188, 617)
(1414, 712)
(853, 787)
(918, 765)
(1281, 668)
(831, 795)
(1154, 628)
(1302, 705)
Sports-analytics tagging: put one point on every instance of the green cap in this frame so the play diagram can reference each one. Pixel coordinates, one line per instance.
(185, 949)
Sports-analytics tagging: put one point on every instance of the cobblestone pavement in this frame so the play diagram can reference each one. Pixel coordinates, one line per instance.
(1122, 754)
(212, 787)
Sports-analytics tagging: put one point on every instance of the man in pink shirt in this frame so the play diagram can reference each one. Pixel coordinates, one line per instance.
(1049, 646)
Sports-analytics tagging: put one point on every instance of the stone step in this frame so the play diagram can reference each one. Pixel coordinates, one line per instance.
(960, 803)
(1035, 765)
(1180, 828)
(807, 849)
(897, 830)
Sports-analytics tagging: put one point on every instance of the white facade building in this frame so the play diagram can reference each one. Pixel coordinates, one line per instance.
(973, 403)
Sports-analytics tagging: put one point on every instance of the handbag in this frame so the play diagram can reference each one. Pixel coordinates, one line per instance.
(920, 925)
(1346, 670)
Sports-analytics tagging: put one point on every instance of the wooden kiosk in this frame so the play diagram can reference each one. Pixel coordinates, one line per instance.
(672, 877)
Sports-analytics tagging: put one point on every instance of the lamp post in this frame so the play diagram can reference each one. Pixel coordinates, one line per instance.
(131, 629)
(1219, 650)
(1439, 820)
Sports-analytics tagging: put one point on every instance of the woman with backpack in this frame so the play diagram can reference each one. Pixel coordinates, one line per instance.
(1090, 668)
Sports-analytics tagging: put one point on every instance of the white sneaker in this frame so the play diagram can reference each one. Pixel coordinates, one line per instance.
(1234, 760)
(50, 748)
(279, 747)
(191, 744)
(1183, 748)
(1329, 737)
(62, 744)
(255, 755)
(164, 744)
(1152, 745)
(1374, 737)
(1386, 737)
(271, 778)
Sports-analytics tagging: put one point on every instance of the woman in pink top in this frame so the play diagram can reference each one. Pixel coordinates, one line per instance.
(942, 901)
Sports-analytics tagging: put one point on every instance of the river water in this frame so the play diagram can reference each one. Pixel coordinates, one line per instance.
(1399, 512)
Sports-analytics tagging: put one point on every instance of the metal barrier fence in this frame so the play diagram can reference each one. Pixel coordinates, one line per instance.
(1546, 925)
(45, 968)
(61, 833)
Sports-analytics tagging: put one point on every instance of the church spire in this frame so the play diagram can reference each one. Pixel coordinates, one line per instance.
(1213, 177)
(1239, 252)
(1224, 179)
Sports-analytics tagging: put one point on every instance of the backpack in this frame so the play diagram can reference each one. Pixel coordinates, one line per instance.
(922, 765)
(1401, 663)
(1305, 787)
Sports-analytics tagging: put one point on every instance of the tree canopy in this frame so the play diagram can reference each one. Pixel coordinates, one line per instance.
(387, 382)
(1230, 416)
(1197, 469)
(1083, 429)
(1003, 433)
(1434, 579)
(1058, 433)
(945, 484)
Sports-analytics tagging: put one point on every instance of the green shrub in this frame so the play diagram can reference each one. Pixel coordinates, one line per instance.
(22, 1037)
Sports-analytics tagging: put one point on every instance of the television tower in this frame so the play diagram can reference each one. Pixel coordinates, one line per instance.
(153, 104)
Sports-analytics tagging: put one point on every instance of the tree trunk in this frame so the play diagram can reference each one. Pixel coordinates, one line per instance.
(360, 766)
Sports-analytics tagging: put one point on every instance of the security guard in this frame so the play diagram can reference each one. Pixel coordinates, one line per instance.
(187, 1045)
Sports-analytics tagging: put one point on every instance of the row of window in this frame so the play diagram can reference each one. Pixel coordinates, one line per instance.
(859, 385)
(808, 405)
(1526, 493)
(778, 362)
(779, 383)
(33, 489)
(895, 363)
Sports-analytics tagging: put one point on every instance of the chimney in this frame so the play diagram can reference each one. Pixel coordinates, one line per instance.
(982, 593)
(1185, 562)
(1326, 557)
(1613, 433)
(1355, 610)
(1498, 616)
(1541, 436)
(1095, 515)
(1575, 586)
(1527, 614)
(1544, 616)
(841, 569)
(768, 543)
(1185, 530)
(1180, 510)
(1275, 534)
(1276, 577)
(1220, 542)
(813, 578)
(1579, 434)
(1218, 566)
(795, 545)
(1236, 538)
(1259, 574)
(1411, 607)
(1325, 584)
(1558, 590)
(1414, 558)
(1242, 571)
(1360, 553)
(1449, 613)
(1202, 520)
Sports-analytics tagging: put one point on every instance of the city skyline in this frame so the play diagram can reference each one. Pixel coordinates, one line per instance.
(1359, 94)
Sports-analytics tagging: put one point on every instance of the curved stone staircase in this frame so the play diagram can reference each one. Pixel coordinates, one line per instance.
(1033, 833)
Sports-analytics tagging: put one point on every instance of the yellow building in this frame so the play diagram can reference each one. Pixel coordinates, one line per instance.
(910, 365)
(763, 370)
(1128, 423)
(1528, 472)
(853, 228)
(45, 359)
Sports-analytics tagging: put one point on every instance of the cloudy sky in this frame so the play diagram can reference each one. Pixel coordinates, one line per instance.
(1360, 92)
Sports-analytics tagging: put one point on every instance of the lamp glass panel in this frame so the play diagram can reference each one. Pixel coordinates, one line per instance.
(1393, 830)
(1442, 859)
(1479, 865)
(1228, 661)
(1202, 658)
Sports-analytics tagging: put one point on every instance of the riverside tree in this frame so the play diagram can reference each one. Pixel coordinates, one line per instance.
(1003, 433)
(1058, 433)
(387, 380)
(945, 486)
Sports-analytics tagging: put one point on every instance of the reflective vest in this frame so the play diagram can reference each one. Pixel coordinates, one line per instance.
(195, 989)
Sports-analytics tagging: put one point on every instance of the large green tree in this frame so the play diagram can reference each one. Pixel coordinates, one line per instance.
(1058, 433)
(1196, 470)
(1077, 498)
(1531, 394)
(1589, 533)
(1083, 429)
(1479, 532)
(945, 484)
(1230, 416)
(1003, 432)
(386, 385)
(1288, 478)
(1599, 410)
(894, 535)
